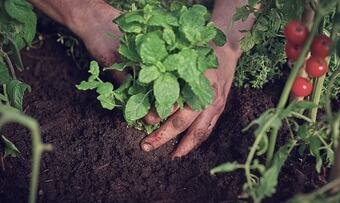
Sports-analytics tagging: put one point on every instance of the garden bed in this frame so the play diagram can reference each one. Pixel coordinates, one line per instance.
(96, 157)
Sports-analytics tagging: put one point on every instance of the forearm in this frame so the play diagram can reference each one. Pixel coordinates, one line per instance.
(223, 13)
(77, 15)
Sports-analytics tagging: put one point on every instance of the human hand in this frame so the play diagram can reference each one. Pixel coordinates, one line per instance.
(199, 125)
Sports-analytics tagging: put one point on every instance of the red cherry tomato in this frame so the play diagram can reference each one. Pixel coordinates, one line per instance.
(316, 66)
(296, 32)
(321, 46)
(293, 51)
(302, 87)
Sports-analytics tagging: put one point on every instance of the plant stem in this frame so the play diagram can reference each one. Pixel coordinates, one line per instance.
(320, 81)
(317, 90)
(8, 115)
(9, 63)
(288, 86)
(253, 150)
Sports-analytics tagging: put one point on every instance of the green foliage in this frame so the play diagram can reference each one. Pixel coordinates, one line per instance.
(17, 30)
(261, 65)
(9, 114)
(168, 51)
(17, 27)
(10, 148)
(263, 45)
(317, 139)
(266, 186)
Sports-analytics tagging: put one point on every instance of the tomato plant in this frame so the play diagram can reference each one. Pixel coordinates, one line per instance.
(316, 66)
(167, 52)
(317, 137)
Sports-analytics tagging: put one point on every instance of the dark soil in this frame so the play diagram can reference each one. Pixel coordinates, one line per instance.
(97, 158)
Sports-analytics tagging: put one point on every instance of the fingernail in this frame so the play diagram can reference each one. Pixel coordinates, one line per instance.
(147, 147)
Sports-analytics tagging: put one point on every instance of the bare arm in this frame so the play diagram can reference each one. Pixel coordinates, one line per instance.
(90, 20)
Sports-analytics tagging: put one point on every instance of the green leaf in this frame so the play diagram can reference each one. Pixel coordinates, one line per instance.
(166, 89)
(21, 11)
(226, 167)
(206, 60)
(191, 99)
(192, 23)
(248, 42)
(137, 88)
(18, 9)
(163, 110)
(13, 51)
(220, 38)
(137, 107)
(134, 16)
(268, 182)
(263, 119)
(132, 28)
(117, 66)
(105, 88)
(185, 62)
(152, 48)
(162, 18)
(125, 51)
(169, 36)
(5, 77)
(94, 69)
(16, 90)
(125, 85)
(148, 74)
(209, 33)
(10, 148)
(253, 3)
(203, 90)
(242, 13)
(106, 101)
(84, 85)
(121, 92)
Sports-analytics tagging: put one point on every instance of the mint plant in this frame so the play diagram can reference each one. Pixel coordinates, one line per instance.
(166, 51)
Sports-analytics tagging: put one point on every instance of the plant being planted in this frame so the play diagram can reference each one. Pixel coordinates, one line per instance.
(167, 52)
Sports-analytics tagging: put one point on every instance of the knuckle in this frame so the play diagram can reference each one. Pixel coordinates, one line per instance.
(201, 135)
(179, 123)
(151, 118)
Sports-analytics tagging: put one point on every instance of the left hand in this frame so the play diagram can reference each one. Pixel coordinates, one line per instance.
(199, 125)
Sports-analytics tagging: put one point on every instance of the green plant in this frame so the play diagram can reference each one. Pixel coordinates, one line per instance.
(319, 137)
(168, 52)
(17, 30)
(9, 114)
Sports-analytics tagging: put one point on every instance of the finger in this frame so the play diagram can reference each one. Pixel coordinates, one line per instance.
(176, 124)
(152, 117)
(199, 131)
